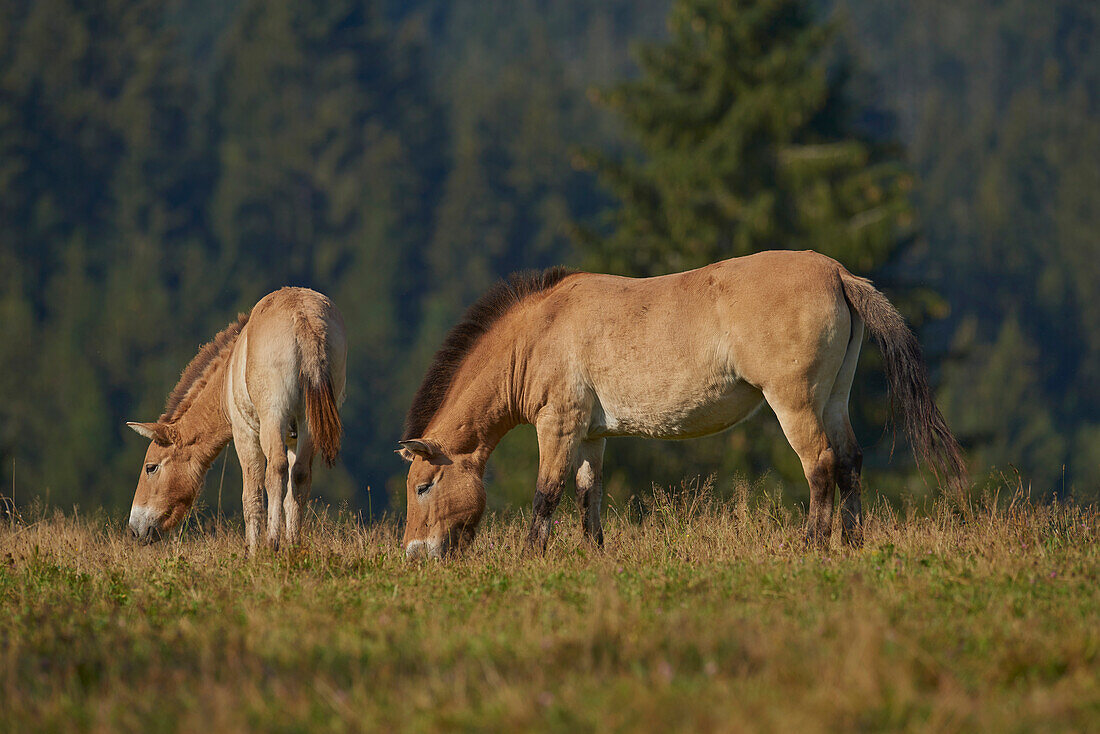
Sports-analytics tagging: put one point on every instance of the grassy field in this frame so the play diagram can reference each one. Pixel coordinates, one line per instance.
(703, 616)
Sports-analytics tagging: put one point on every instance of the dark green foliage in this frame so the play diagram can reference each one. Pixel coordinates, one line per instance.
(327, 149)
(101, 181)
(1002, 110)
(163, 165)
(161, 172)
(748, 142)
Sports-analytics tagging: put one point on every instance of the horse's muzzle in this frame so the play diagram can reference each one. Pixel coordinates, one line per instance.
(418, 549)
(143, 525)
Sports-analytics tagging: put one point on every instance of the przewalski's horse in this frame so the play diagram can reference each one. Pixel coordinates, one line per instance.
(272, 382)
(584, 356)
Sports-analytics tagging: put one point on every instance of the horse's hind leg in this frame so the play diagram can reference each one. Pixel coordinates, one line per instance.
(803, 427)
(272, 440)
(590, 488)
(252, 461)
(299, 480)
(844, 443)
(849, 466)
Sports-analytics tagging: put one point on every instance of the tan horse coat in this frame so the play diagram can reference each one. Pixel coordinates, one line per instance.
(584, 357)
(272, 382)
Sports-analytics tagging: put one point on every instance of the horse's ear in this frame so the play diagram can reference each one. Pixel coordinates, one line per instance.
(157, 432)
(425, 449)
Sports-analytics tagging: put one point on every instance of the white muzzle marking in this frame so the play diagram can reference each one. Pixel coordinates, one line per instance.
(142, 520)
(422, 548)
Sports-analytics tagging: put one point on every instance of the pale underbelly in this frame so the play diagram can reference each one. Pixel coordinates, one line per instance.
(674, 416)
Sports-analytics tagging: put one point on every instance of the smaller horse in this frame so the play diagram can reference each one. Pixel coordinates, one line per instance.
(272, 382)
(585, 357)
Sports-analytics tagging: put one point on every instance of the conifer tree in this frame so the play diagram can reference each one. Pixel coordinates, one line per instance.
(746, 141)
(748, 144)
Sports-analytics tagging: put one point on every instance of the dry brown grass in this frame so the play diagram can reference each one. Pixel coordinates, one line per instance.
(703, 615)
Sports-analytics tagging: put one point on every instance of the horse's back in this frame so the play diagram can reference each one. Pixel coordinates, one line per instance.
(691, 353)
(777, 300)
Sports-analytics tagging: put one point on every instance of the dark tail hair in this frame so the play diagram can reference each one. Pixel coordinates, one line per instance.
(315, 381)
(908, 378)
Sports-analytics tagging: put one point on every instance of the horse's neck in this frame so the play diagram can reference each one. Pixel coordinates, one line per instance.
(479, 412)
(205, 424)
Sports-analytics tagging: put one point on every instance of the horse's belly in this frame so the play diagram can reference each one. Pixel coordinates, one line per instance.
(674, 415)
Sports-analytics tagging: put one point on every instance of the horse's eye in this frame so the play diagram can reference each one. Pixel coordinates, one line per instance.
(150, 468)
(422, 488)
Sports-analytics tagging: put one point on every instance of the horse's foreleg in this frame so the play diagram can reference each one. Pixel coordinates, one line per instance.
(590, 487)
(274, 447)
(252, 461)
(804, 430)
(557, 452)
(548, 493)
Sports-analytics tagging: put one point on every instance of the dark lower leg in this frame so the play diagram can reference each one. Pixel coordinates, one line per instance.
(588, 502)
(546, 501)
(589, 496)
(593, 526)
(822, 480)
(851, 508)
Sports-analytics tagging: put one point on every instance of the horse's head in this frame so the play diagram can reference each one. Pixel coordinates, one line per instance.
(445, 499)
(168, 484)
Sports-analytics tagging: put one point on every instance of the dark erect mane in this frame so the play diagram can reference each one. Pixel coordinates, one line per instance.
(478, 319)
(195, 371)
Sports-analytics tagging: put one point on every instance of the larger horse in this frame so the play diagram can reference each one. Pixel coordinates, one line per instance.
(272, 382)
(585, 356)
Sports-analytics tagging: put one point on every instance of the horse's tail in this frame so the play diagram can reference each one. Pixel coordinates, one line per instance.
(315, 380)
(908, 378)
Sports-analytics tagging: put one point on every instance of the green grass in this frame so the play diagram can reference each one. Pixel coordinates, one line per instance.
(704, 616)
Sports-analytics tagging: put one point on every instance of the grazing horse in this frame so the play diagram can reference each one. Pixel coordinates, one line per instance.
(583, 356)
(272, 382)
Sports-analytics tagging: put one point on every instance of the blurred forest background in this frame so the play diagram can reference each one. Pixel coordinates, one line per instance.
(165, 164)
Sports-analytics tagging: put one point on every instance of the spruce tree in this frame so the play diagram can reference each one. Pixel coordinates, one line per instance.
(748, 143)
(745, 141)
